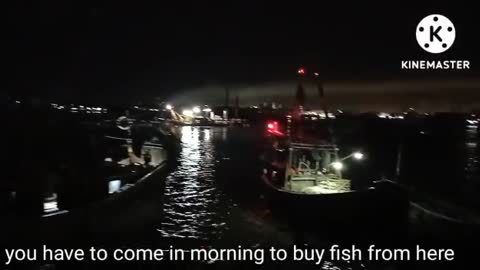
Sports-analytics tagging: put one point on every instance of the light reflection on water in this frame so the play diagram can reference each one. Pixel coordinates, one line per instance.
(471, 161)
(194, 207)
(198, 208)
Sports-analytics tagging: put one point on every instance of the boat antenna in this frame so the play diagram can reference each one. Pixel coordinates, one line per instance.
(323, 103)
(297, 113)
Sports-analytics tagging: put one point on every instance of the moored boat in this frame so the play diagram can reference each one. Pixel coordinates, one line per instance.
(102, 196)
(441, 220)
(304, 185)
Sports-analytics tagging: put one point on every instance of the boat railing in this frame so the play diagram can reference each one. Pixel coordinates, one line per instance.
(324, 147)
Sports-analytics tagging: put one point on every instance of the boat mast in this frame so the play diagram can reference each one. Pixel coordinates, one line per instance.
(289, 165)
(299, 95)
(321, 93)
(323, 104)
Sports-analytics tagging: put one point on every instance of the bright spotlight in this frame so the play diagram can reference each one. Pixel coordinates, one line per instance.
(188, 113)
(358, 155)
(207, 110)
(168, 107)
(337, 165)
(196, 110)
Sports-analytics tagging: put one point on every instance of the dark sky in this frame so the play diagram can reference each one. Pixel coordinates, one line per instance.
(117, 50)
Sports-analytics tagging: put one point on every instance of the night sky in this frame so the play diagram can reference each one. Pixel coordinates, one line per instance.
(118, 51)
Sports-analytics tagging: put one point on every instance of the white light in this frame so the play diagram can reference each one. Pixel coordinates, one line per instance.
(50, 206)
(168, 107)
(188, 113)
(207, 110)
(207, 135)
(337, 165)
(358, 155)
(196, 110)
(114, 186)
(383, 115)
(472, 122)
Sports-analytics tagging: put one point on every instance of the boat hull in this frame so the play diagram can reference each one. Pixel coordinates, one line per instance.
(433, 224)
(354, 215)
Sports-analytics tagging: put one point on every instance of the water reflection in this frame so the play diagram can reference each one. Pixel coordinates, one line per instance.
(194, 206)
(471, 161)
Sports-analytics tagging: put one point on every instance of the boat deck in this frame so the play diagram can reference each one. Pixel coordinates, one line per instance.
(318, 184)
(157, 153)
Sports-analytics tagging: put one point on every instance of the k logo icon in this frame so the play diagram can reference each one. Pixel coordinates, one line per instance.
(435, 33)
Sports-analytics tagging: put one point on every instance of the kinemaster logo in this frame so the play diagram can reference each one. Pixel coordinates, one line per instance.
(435, 34)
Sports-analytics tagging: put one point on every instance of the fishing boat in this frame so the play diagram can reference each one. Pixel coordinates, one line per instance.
(132, 154)
(125, 170)
(442, 221)
(304, 185)
(431, 218)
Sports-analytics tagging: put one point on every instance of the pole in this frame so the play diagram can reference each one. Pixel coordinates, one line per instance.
(324, 106)
(321, 93)
(227, 97)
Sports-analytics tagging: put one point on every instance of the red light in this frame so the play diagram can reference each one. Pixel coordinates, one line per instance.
(272, 125)
(272, 128)
(301, 71)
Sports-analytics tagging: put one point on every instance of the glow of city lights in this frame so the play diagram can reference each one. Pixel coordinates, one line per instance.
(188, 113)
(196, 110)
(358, 155)
(383, 115)
(337, 165)
(472, 122)
(168, 107)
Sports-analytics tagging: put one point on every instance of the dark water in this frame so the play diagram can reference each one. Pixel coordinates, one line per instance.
(214, 190)
(214, 197)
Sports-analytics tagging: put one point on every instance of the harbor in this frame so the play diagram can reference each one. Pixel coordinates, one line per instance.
(190, 186)
(240, 136)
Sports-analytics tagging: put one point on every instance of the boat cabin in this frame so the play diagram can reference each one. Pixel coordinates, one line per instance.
(314, 169)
